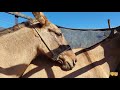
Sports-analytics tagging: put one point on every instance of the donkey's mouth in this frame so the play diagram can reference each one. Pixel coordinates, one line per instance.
(66, 66)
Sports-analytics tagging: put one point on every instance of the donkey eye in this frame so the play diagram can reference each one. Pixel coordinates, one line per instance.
(57, 33)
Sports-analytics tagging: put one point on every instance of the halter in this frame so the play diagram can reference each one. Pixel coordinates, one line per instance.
(54, 55)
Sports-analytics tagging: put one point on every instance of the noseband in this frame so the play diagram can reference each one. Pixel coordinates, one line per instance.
(54, 55)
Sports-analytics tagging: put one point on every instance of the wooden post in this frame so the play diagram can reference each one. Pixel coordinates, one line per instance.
(16, 20)
(109, 24)
(112, 31)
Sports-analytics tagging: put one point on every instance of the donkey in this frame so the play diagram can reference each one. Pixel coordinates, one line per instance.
(94, 62)
(19, 48)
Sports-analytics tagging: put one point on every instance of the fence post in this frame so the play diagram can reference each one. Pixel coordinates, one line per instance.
(112, 31)
(109, 24)
(16, 20)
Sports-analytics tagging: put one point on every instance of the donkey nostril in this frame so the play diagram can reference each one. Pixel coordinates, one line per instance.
(74, 62)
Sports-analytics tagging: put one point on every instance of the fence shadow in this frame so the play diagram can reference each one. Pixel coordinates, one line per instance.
(111, 48)
(42, 62)
(14, 70)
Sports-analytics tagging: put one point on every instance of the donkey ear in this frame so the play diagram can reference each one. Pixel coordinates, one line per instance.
(40, 17)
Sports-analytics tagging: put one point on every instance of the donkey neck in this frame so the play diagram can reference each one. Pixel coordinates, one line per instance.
(19, 47)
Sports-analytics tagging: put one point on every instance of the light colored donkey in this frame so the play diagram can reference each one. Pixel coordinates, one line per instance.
(19, 48)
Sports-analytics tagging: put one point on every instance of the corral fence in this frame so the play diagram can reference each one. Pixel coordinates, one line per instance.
(14, 21)
(17, 15)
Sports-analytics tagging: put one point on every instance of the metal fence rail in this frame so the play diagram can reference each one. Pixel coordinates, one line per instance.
(18, 14)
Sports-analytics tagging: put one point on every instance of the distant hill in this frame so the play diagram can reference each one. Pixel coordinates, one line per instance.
(1, 28)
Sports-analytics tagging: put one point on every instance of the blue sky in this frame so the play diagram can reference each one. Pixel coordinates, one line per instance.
(70, 19)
